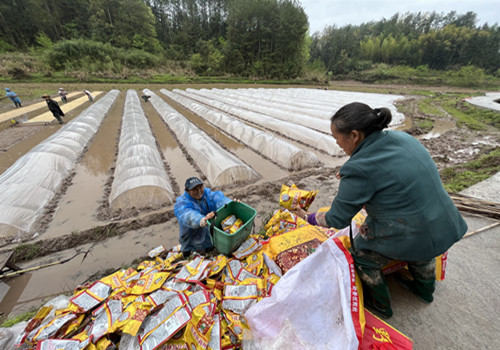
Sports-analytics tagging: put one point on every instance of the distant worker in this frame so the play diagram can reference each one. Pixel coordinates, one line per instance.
(13, 97)
(89, 95)
(146, 97)
(54, 108)
(193, 209)
(63, 95)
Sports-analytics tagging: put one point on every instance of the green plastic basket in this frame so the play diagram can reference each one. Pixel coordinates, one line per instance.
(224, 242)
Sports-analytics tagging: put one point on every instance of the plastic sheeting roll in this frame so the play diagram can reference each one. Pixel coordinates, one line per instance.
(280, 151)
(32, 181)
(315, 139)
(140, 179)
(219, 166)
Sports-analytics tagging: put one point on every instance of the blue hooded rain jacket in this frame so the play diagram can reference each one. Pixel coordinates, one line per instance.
(190, 211)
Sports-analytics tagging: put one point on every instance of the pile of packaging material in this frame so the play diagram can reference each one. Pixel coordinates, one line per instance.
(173, 302)
(168, 301)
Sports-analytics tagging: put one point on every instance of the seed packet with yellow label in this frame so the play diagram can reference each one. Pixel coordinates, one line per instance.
(198, 329)
(255, 262)
(217, 265)
(291, 197)
(149, 283)
(131, 319)
(282, 222)
(38, 318)
(248, 247)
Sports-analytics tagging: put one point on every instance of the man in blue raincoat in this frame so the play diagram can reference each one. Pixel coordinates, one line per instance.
(13, 97)
(193, 209)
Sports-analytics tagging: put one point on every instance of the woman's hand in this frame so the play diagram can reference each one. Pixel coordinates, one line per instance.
(299, 212)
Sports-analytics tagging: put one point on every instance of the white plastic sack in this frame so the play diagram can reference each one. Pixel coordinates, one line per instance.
(310, 306)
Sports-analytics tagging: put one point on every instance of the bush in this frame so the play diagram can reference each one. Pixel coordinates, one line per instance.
(93, 56)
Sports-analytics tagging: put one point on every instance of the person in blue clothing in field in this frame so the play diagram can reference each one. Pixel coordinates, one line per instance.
(193, 209)
(13, 97)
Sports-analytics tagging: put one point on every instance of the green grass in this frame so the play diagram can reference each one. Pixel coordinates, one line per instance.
(425, 124)
(460, 177)
(19, 318)
(472, 117)
(428, 107)
(25, 251)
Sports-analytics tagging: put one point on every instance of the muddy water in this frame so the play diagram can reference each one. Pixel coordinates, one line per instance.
(30, 290)
(78, 205)
(440, 127)
(264, 167)
(179, 166)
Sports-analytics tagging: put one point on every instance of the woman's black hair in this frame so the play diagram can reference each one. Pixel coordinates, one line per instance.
(361, 117)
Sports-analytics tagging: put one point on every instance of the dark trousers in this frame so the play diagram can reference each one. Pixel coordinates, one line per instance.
(369, 266)
(58, 117)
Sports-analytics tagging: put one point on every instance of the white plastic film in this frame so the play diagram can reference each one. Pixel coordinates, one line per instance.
(280, 151)
(219, 166)
(282, 111)
(140, 179)
(319, 103)
(491, 100)
(315, 139)
(32, 181)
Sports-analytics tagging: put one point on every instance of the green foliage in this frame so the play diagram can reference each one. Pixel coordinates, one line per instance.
(210, 59)
(25, 251)
(19, 318)
(266, 38)
(437, 41)
(92, 56)
(43, 40)
(197, 63)
(463, 116)
(5, 46)
(458, 178)
(428, 107)
(423, 75)
(124, 24)
(468, 76)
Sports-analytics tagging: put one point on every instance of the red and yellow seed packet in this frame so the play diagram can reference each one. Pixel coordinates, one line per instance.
(149, 283)
(217, 265)
(231, 224)
(283, 221)
(38, 318)
(197, 334)
(292, 197)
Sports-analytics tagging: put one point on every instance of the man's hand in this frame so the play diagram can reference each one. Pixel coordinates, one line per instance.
(203, 221)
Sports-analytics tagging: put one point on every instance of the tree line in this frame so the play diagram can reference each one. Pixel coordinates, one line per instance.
(437, 41)
(265, 38)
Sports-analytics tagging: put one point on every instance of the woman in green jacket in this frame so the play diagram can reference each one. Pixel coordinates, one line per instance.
(410, 215)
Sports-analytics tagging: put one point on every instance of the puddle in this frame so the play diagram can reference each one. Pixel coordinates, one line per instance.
(406, 125)
(30, 290)
(440, 127)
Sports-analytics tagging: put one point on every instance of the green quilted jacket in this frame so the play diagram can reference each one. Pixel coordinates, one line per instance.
(410, 215)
